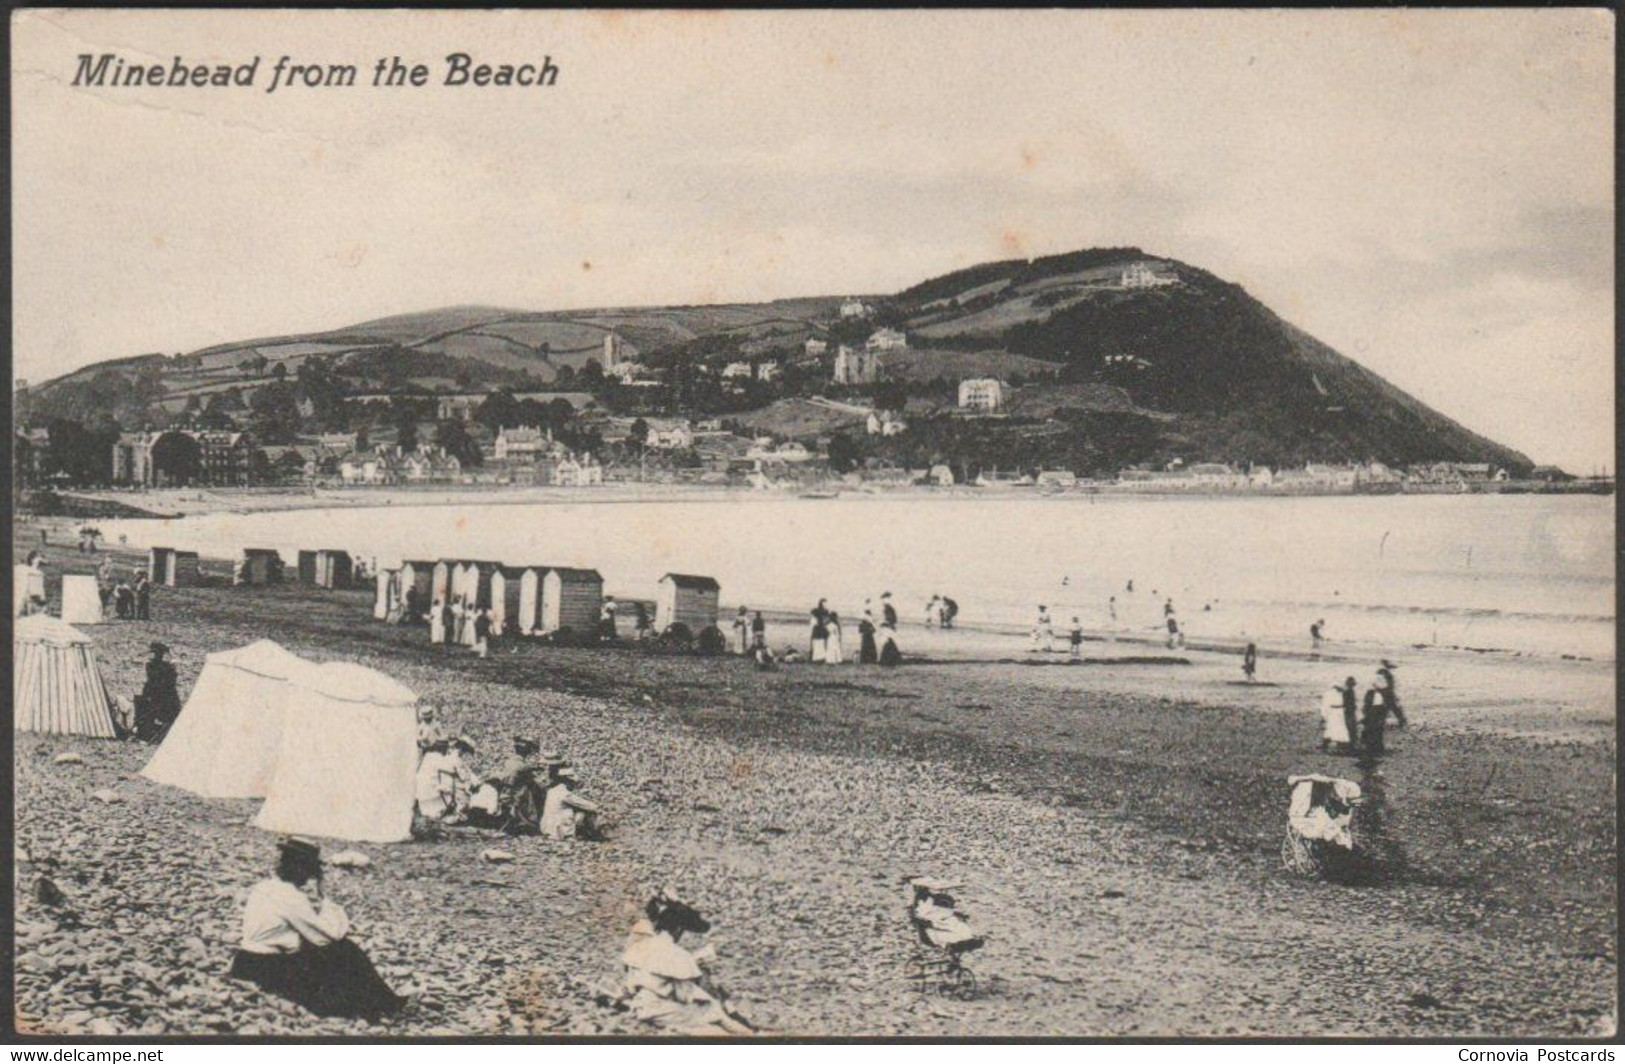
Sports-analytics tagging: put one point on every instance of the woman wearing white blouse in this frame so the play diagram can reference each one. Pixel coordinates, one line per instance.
(295, 943)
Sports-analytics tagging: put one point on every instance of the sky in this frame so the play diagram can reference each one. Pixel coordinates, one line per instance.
(1430, 192)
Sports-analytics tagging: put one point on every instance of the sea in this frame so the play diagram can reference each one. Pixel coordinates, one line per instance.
(1524, 574)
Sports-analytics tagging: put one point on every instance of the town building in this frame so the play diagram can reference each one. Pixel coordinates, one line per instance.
(855, 308)
(942, 476)
(169, 459)
(520, 444)
(228, 459)
(768, 371)
(1057, 478)
(814, 346)
(853, 366)
(983, 395)
(886, 340)
(737, 371)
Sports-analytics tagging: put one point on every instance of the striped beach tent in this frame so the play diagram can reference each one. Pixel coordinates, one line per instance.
(57, 686)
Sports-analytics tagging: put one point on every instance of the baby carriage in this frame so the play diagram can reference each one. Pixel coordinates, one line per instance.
(945, 938)
(1322, 826)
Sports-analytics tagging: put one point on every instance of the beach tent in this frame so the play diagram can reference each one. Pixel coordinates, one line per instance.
(686, 600)
(56, 685)
(348, 755)
(508, 602)
(81, 600)
(226, 741)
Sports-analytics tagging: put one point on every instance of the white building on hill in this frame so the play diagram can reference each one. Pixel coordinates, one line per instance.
(982, 394)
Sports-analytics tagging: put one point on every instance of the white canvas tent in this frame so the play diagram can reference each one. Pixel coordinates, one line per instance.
(81, 600)
(347, 759)
(57, 686)
(226, 741)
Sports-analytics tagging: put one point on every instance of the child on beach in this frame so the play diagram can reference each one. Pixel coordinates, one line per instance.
(1076, 636)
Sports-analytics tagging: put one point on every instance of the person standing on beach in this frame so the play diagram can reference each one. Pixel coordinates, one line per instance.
(1337, 732)
(818, 635)
(482, 633)
(1111, 617)
(437, 623)
(104, 583)
(1380, 701)
(742, 630)
(1316, 635)
(950, 611)
(1075, 637)
(868, 652)
(836, 655)
(159, 702)
(606, 620)
(143, 597)
(1176, 637)
(1043, 632)
(888, 612)
(1249, 662)
(758, 632)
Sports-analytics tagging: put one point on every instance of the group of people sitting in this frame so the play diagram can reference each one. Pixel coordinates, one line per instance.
(1350, 724)
(526, 795)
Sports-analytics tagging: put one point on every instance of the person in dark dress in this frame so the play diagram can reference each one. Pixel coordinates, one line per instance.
(868, 650)
(888, 612)
(950, 610)
(414, 605)
(758, 632)
(1249, 662)
(1380, 701)
(448, 623)
(123, 602)
(159, 702)
(295, 943)
(143, 597)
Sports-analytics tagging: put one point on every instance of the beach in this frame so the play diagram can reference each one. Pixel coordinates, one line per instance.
(1116, 825)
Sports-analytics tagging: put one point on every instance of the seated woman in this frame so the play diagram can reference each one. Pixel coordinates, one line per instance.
(566, 815)
(295, 943)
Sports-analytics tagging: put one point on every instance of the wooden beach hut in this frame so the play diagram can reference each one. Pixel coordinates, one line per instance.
(333, 569)
(572, 598)
(440, 583)
(530, 599)
(261, 566)
(687, 600)
(307, 567)
(418, 574)
(387, 601)
(507, 601)
(475, 588)
(172, 568)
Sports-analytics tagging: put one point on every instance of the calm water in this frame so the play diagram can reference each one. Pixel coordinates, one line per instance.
(1528, 573)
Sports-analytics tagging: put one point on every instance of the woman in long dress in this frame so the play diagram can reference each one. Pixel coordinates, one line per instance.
(868, 652)
(836, 655)
(889, 653)
(295, 943)
(818, 652)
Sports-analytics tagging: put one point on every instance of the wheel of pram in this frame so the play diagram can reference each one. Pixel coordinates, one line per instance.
(960, 982)
(1296, 856)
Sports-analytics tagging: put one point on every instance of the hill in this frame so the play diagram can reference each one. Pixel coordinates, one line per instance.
(1118, 355)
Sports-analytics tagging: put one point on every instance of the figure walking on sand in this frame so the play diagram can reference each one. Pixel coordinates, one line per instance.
(1338, 728)
(1380, 700)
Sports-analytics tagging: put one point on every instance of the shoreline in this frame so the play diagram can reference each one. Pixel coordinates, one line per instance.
(1117, 827)
(176, 503)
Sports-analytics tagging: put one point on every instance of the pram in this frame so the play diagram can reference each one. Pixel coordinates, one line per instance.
(1322, 826)
(944, 939)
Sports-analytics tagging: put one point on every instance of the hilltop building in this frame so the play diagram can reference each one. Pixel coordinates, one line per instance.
(521, 444)
(855, 308)
(612, 351)
(1141, 275)
(983, 395)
